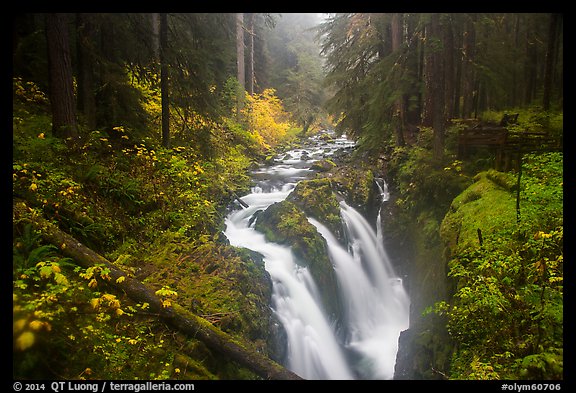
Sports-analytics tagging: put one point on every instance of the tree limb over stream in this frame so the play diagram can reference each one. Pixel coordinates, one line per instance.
(177, 317)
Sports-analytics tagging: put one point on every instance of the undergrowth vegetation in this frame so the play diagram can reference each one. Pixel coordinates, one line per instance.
(155, 212)
(503, 244)
(506, 315)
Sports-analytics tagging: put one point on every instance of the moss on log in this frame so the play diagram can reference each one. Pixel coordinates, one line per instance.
(174, 315)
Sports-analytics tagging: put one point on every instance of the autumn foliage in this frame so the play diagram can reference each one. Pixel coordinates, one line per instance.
(264, 113)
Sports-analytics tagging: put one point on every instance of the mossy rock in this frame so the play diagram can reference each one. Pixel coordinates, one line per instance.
(323, 165)
(317, 199)
(355, 184)
(487, 205)
(285, 223)
(506, 180)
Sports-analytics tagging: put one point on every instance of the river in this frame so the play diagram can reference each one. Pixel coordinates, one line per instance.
(375, 303)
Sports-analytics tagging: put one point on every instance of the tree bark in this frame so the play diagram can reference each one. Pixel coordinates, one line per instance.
(240, 62)
(250, 26)
(531, 63)
(399, 111)
(468, 74)
(155, 24)
(62, 100)
(550, 60)
(174, 315)
(86, 60)
(434, 113)
(164, 88)
(449, 68)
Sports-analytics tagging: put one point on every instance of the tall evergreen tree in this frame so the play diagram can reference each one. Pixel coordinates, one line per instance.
(241, 70)
(164, 79)
(86, 59)
(62, 100)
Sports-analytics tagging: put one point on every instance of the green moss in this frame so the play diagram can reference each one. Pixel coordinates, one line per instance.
(317, 199)
(356, 185)
(506, 310)
(323, 165)
(506, 180)
(484, 206)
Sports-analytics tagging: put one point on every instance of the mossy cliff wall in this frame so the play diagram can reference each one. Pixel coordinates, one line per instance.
(425, 349)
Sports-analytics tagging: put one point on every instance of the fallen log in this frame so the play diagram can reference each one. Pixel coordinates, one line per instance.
(179, 318)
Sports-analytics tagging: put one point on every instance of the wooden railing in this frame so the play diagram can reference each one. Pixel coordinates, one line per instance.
(505, 144)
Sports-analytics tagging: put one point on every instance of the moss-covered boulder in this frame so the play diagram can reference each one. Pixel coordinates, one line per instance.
(323, 165)
(317, 199)
(285, 223)
(356, 185)
(487, 205)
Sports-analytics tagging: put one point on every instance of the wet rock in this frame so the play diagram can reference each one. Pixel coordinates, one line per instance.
(323, 165)
(285, 223)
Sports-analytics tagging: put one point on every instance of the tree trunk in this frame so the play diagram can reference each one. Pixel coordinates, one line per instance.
(427, 94)
(468, 74)
(435, 109)
(107, 114)
(60, 68)
(550, 60)
(240, 62)
(530, 65)
(399, 112)
(155, 24)
(164, 88)
(449, 68)
(86, 59)
(181, 319)
(250, 53)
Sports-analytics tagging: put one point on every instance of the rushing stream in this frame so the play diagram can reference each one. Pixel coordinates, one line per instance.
(375, 303)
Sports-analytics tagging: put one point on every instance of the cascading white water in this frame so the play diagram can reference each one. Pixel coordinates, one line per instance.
(374, 301)
(376, 304)
(314, 352)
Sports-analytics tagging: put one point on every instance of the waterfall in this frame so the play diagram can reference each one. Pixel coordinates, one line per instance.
(384, 197)
(313, 350)
(375, 305)
(375, 302)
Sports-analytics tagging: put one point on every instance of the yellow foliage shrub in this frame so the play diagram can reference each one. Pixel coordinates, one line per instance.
(266, 117)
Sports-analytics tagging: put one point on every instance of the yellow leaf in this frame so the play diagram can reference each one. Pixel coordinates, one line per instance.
(95, 303)
(36, 325)
(25, 341)
(33, 187)
(120, 279)
(93, 283)
(119, 311)
(20, 324)
(41, 135)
